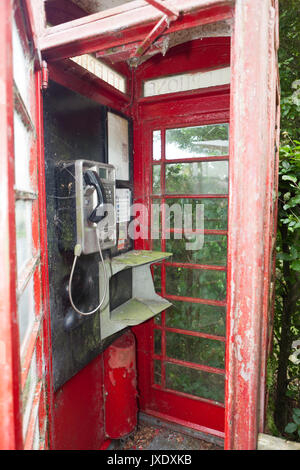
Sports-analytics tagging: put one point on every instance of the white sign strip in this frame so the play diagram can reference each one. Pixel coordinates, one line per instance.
(186, 81)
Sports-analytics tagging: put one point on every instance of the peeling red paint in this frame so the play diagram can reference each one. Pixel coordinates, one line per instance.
(120, 387)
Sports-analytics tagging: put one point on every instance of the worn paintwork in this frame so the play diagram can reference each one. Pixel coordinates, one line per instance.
(120, 387)
(252, 157)
(138, 258)
(252, 153)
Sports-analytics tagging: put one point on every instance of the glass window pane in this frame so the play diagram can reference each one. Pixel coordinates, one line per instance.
(36, 440)
(209, 177)
(157, 319)
(28, 393)
(203, 351)
(156, 245)
(156, 179)
(22, 154)
(23, 232)
(196, 283)
(210, 319)
(214, 210)
(157, 277)
(156, 224)
(157, 342)
(213, 251)
(195, 382)
(26, 312)
(22, 68)
(197, 142)
(157, 372)
(156, 151)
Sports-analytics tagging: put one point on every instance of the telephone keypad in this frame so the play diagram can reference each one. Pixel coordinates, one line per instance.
(109, 193)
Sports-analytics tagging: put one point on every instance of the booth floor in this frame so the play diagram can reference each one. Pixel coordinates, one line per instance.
(157, 438)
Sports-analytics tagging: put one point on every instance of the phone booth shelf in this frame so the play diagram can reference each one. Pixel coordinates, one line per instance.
(143, 303)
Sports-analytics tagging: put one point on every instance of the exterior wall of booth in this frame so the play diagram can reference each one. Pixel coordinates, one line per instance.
(253, 91)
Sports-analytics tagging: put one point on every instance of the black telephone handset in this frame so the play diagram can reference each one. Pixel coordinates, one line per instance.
(92, 178)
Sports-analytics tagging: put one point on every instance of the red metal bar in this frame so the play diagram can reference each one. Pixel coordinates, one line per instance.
(44, 262)
(187, 395)
(10, 407)
(93, 88)
(26, 274)
(29, 350)
(124, 52)
(217, 303)
(188, 196)
(36, 20)
(197, 334)
(247, 220)
(195, 266)
(205, 231)
(163, 267)
(194, 159)
(171, 11)
(185, 423)
(33, 420)
(126, 24)
(158, 29)
(192, 365)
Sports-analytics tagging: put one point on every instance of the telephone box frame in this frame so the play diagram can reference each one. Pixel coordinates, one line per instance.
(254, 135)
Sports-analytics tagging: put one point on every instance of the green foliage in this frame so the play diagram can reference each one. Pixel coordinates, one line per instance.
(287, 302)
(293, 427)
(283, 374)
(289, 66)
(289, 200)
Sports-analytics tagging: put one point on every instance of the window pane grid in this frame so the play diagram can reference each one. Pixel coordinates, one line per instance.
(188, 332)
(203, 318)
(30, 308)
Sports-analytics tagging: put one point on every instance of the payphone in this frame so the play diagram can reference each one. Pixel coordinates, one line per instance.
(93, 185)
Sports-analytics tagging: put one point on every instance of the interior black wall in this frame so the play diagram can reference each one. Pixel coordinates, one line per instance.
(74, 127)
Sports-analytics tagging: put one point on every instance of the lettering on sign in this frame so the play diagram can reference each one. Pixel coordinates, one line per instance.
(187, 81)
(101, 70)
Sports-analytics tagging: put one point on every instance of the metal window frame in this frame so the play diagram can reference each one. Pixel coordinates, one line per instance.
(14, 369)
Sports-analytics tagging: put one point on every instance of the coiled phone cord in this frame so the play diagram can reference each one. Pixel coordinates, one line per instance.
(77, 253)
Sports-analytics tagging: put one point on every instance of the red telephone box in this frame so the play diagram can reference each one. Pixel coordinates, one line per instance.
(184, 100)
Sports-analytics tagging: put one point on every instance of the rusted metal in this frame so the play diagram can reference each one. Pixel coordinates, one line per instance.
(45, 75)
(14, 379)
(120, 386)
(171, 11)
(10, 405)
(249, 256)
(124, 52)
(152, 36)
(129, 23)
(36, 22)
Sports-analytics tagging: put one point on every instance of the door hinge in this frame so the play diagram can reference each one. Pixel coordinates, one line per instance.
(45, 76)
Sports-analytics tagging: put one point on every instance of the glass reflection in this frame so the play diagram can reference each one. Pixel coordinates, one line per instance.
(197, 142)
